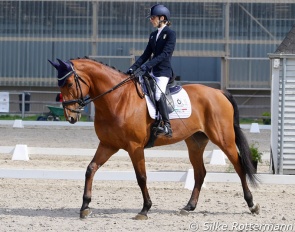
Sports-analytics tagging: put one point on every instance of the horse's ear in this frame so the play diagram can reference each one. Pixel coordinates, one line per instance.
(64, 64)
(56, 65)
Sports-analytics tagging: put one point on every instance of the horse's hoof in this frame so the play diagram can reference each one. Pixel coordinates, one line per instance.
(140, 217)
(85, 213)
(184, 212)
(255, 209)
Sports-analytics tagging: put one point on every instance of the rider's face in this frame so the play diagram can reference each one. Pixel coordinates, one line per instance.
(155, 20)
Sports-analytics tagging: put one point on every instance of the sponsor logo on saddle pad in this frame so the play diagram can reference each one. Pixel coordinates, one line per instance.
(182, 106)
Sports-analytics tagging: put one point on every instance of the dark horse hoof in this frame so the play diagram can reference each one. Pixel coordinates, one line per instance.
(140, 217)
(85, 213)
(255, 209)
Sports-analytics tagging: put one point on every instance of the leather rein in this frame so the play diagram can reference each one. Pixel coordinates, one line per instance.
(83, 101)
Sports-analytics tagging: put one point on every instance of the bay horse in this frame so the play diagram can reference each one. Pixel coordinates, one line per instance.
(122, 122)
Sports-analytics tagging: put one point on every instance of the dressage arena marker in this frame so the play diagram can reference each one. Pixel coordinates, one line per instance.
(18, 124)
(190, 180)
(20, 152)
(218, 157)
(254, 128)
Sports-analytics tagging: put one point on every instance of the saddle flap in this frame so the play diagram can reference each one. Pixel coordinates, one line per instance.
(182, 106)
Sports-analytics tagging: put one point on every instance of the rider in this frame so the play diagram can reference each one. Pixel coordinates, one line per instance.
(161, 44)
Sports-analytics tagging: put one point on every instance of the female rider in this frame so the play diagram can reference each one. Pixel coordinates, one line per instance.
(161, 45)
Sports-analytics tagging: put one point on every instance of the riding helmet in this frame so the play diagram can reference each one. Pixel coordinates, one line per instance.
(159, 10)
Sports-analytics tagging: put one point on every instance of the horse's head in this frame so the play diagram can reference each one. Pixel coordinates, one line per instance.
(73, 89)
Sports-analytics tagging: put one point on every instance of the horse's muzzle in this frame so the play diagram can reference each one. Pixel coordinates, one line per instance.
(73, 119)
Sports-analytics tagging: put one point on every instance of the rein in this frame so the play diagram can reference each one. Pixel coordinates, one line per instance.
(82, 102)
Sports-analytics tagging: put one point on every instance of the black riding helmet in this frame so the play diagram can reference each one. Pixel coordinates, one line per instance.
(159, 10)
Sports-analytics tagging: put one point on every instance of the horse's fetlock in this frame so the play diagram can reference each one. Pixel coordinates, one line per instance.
(248, 198)
(149, 204)
(86, 199)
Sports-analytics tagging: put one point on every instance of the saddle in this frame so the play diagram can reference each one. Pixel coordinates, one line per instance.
(149, 88)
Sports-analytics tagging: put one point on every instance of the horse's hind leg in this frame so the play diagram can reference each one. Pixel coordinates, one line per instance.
(242, 164)
(102, 154)
(236, 161)
(196, 145)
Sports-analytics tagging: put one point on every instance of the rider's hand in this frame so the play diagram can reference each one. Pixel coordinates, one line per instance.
(144, 68)
(130, 71)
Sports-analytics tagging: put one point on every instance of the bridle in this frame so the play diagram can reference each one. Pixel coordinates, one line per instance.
(83, 101)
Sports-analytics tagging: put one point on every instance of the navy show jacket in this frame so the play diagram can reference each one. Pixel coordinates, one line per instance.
(162, 50)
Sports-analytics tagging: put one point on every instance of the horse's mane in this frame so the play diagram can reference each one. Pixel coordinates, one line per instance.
(88, 58)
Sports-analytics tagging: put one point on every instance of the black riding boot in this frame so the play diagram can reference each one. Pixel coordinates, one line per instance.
(162, 107)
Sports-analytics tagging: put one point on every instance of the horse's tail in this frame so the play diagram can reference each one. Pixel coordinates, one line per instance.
(242, 144)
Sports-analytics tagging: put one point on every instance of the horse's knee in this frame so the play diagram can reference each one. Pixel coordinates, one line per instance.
(141, 180)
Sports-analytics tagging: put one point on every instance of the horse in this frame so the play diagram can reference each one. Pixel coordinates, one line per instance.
(122, 121)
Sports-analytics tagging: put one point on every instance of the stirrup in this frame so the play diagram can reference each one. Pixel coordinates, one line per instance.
(164, 130)
(168, 130)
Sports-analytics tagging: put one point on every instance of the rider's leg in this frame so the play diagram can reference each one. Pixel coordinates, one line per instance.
(162, 105)
(160, 86)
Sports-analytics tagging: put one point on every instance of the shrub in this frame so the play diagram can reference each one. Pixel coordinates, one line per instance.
(256, 154)
(266, 120)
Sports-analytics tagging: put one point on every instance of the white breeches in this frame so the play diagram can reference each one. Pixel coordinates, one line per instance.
(161, 86)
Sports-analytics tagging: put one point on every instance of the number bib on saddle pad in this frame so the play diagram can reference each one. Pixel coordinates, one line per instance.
(182, 106)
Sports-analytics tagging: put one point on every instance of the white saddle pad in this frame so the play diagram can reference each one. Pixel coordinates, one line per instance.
(182, 106)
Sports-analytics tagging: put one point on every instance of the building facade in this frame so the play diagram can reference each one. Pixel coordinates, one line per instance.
(224, 42)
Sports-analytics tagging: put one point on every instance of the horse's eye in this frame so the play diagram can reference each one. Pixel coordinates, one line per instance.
(70, 85)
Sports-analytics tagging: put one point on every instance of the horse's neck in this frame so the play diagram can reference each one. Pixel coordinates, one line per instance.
(111, 104)
(102, 82)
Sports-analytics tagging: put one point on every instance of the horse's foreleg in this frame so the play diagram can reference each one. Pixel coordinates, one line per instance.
(138, 162)
(101, 156)
(196, 146)
(199, 175)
